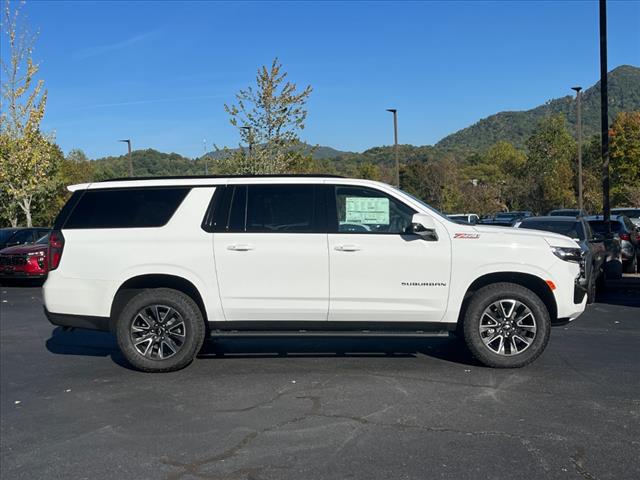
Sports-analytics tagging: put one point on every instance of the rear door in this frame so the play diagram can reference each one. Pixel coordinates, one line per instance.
(270, 249)
(378, 271)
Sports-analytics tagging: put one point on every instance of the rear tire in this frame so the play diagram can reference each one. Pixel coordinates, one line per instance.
(632, 265)
(160, 330)
(506, 326)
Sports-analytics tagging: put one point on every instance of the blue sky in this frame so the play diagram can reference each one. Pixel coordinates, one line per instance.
(159, 72)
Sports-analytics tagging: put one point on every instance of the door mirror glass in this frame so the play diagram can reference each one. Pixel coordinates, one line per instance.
(425, 226)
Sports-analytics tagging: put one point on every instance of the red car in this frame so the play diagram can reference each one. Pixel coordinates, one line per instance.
(25, 261)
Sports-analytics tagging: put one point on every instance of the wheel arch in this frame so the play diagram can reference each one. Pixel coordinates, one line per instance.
(534, 283)
(134, 285)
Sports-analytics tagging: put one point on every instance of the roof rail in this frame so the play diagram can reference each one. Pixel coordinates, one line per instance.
(189, 177)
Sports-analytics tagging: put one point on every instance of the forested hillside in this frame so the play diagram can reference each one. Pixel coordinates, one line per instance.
(516, 127)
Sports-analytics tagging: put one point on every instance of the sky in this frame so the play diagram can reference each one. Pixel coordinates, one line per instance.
(160, 72)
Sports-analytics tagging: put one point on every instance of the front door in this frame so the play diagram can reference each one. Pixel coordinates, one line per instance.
(379, 272)
(271, 253)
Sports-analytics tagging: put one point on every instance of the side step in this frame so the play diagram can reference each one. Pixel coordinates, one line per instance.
(278, 328)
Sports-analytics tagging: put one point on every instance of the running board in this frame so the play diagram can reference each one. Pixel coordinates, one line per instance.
(329, 329)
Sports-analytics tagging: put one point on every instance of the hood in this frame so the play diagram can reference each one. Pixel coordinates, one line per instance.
(553, 239)
(22, 249)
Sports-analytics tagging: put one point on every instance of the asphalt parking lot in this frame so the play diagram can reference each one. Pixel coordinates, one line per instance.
(320, 409)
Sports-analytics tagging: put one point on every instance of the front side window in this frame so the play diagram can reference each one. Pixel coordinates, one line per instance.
(365, 210)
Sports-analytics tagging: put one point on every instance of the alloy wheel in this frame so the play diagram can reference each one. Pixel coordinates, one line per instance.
(507, 327)
(158, 332)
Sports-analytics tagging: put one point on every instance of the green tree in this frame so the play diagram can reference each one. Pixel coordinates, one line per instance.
(548, 171)
(269, 117)
(624, 156)
(25, 153)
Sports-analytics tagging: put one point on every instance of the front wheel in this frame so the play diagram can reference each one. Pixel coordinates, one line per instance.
(506, 325)
(160, 330)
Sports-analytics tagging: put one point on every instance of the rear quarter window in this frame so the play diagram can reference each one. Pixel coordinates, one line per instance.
(126, 208)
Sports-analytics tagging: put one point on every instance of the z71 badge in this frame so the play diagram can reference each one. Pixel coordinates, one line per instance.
(466, 235)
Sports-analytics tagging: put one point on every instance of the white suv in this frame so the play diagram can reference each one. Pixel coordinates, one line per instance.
(163, 262)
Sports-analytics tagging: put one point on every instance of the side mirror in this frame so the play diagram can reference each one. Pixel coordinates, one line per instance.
(424, 226)
(597, 237)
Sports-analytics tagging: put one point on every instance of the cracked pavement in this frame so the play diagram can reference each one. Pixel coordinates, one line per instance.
(311, 408)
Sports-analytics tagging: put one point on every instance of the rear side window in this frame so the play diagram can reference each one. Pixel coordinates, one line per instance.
(126, 208)
(271, 209)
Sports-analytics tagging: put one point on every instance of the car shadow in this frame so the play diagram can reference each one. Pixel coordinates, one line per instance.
(22, 282)
(104, 344)
(624, 292)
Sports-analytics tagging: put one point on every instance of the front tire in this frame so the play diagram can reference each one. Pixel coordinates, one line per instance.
(506, 326)
(160, 330)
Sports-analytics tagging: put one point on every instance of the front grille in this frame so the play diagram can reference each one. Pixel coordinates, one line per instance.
(13, 260)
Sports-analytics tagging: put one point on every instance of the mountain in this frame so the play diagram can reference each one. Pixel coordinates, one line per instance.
(516, 127)
(319, 152)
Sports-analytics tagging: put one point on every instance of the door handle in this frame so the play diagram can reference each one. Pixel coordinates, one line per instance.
(243, 247)
(347, 248)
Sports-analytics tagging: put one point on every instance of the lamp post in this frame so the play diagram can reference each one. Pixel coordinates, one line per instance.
(395, 143)
(128, 142)
(247, 129)
(206, 160)
(604, 118)
(579, 129)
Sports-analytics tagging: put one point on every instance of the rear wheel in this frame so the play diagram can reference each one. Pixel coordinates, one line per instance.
(506, 325)
(632, 265)
(160, 330)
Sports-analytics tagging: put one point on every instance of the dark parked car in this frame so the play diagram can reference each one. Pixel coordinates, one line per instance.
(623, 229)
(631, 212)
(22, 236)
(592, 245)
(25, 261)
(567, 212)
(506, 219)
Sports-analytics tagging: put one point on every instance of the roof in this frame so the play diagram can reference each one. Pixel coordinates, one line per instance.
(188, 177)
(553, 218)
(214, 180)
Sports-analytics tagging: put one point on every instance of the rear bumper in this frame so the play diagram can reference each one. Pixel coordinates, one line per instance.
(78, 321)
(8, 275)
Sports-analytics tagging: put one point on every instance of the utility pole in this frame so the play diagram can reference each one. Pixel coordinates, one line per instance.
(128, 142)
(247, 129)
(604, 118)
(395, 143)
(579, 129)
(206, 160)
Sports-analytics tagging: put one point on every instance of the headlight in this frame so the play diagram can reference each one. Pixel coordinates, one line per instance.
(568, 254)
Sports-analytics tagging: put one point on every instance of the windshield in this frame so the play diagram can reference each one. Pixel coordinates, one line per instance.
(570, 229)
(629, 212)
(5, 234)
(508, 215)
(598, 226)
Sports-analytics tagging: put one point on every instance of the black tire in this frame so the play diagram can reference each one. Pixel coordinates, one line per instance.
(192, 329)
(486, 297)
(591, 287)
(632, 265)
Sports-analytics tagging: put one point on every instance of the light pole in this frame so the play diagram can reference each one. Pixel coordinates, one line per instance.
(247, 129)
(395, 143)
(206, 160)
(604, 118)
(579, 129)
(128, 142)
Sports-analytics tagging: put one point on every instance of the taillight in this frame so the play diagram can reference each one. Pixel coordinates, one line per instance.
(624, 236)
(56, 245)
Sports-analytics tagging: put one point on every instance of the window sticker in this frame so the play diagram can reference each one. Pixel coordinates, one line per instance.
(367, 210)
